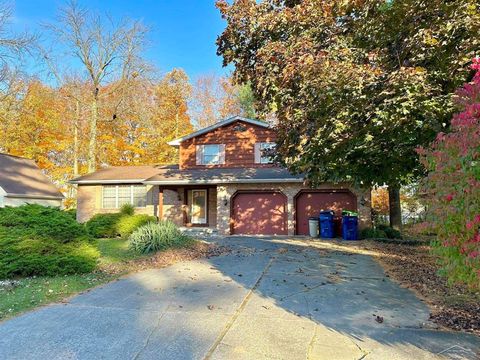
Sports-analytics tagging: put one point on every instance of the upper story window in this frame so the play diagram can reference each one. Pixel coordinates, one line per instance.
(265, 152)
(210, 154)
(114, 196)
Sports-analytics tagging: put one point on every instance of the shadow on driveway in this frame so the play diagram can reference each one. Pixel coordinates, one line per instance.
(271, 298)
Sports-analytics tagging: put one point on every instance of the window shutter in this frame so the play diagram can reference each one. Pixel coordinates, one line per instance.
(222, 154)
(258, 154)
(199, 154)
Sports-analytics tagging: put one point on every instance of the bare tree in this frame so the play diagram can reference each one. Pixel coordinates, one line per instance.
(108, 52)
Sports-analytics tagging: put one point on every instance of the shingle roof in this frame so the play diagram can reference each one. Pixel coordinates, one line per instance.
(172, 175)
(124, 174)
(20, 176)
(223, 176)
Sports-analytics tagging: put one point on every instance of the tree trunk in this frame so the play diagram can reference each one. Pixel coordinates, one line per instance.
(92, 146)
(75, 140)
(394, 207)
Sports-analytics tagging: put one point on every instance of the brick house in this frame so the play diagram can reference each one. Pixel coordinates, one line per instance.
(225, 181)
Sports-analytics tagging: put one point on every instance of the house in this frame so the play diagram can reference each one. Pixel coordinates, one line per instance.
(224, 181)
(22, 182)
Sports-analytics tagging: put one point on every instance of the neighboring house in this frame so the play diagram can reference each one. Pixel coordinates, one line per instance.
(22, 182)
(224, 181)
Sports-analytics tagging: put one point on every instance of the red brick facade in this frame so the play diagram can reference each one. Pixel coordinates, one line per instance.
(239, 139)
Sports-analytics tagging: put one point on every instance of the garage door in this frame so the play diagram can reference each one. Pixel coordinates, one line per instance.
(310, 204)
(259, 213)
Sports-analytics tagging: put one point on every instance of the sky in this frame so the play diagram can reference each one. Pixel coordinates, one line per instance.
(183, 33)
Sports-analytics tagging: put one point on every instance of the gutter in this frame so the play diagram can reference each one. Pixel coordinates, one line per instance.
(95, 182)
(34, 196)
(222, 181)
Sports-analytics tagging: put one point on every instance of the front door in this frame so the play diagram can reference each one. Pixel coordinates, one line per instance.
(199, 207)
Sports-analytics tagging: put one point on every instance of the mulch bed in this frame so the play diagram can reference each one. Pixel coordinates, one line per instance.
(168, 257)
(414, 267)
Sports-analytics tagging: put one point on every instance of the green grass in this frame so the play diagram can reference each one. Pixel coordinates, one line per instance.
(35, 291)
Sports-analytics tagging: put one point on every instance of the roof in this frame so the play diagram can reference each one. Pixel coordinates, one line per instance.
(21, 177)
(121, 174)
(223, 176)
(172, 175)
(207, 129)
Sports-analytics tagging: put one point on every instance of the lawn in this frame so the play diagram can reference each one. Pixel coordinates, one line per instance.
(28, 293)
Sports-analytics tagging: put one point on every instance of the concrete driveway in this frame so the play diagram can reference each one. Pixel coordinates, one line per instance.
(268, 299)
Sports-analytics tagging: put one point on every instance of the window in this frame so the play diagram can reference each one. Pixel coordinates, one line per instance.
(211, 155)
(114, 196)
(266, 152)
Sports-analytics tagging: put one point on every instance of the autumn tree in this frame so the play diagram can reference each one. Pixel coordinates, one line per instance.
(356, 86)
(108, 52)
(216, 98)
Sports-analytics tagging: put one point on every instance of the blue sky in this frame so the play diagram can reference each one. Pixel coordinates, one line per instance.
(183, 33)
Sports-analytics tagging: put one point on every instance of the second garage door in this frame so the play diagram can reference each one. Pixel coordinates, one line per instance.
(310, 203)
(259, 213)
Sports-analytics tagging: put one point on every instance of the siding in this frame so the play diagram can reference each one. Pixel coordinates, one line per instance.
(239, 145)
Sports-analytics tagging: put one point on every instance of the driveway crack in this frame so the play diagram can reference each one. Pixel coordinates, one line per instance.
(155, 328)
(238, 311)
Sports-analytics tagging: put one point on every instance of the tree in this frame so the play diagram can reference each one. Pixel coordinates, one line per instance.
(109, 53)
(452, 188)
(217, 98)
(356, 86)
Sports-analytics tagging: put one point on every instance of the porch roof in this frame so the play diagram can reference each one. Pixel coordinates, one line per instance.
(172, 176)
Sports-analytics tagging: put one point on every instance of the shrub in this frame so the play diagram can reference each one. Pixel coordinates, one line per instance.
(127, 224)
(127, 209)
(72, 213)
(37, 220)
(390, 232)
(452, 188)
(24, 255)
(152, 237)
(372, 233)
(103, 225)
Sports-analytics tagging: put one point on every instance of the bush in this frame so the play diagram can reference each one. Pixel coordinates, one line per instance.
(72, 213)
(103, 225)
(390, 232)
(157, 236)
(452, 188)
(37, 220)
(23, 255)
(127, 209)
(127, 224)
(372, 233)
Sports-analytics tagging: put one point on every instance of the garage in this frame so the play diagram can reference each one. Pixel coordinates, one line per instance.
(309, 203)
(259, 213)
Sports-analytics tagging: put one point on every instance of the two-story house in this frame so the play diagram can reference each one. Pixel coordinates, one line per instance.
(225, 181)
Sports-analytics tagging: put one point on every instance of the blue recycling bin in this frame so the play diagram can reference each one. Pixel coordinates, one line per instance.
(326, 224)
(350, 227)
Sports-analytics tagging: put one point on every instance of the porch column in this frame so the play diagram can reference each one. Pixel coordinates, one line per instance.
(224, 194)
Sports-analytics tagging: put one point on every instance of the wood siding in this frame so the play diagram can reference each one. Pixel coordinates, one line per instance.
(239, 145)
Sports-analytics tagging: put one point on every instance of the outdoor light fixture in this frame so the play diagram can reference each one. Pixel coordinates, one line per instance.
(363, 201)
(225, 201)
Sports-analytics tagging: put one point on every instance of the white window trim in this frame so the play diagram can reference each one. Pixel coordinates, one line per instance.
(116, 196)
(262, 158)
(219, 155)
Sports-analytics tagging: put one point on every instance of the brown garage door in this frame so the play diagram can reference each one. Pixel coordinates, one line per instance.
(259, 213)
(310, 203)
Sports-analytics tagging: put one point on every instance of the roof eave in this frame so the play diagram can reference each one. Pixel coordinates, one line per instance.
(223, 181)
(109, 181)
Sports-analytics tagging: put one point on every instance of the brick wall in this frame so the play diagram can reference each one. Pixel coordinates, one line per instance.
(290, 190)
(89, 202)
(239, 145)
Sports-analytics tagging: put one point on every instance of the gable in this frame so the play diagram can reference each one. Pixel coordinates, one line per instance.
(222, 124)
